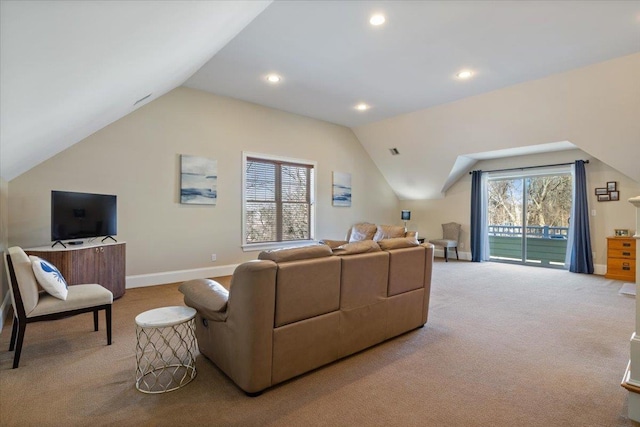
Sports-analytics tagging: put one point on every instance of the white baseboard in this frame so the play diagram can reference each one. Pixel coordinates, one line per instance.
(152, 279)
(4, 309)
(600, 269)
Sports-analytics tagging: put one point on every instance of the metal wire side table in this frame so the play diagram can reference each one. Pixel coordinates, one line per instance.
(165, 349)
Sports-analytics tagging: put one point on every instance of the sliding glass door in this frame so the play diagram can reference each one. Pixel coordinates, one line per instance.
(528, 218)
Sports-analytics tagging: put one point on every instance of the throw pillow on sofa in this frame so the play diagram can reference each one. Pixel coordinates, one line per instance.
(49, 278)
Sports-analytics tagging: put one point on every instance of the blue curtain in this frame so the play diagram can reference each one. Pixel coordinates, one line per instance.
(477, 224)
(581, 260)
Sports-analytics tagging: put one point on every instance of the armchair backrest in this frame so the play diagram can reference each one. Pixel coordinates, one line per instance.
(24, 287)
(451, 231)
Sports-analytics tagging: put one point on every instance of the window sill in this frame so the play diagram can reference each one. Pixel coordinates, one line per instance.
(276, 245)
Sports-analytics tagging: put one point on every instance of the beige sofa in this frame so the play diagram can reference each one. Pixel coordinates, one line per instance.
(294, 310)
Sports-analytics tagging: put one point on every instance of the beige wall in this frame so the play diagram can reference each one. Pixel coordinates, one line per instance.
(4, 238)
(137, 158)
(428, 215)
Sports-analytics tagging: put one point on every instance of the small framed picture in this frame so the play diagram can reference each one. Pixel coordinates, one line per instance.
(611, 186)
(603, 198)
(621, 232)
(600, 191)
(614, 195)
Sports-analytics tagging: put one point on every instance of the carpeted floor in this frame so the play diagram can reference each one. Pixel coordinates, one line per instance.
(504, 346)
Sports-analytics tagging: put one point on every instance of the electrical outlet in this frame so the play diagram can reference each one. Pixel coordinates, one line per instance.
(461, 245)
(593, 212)
(213, 257)
(593, 254)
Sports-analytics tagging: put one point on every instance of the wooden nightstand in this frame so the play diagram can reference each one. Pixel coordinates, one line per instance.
(621, 258)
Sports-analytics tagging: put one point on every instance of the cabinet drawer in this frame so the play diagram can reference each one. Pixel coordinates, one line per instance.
(621, 253)
(621, 268)
(626, 244)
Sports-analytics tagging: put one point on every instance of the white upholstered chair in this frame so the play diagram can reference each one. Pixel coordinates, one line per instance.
(450, 237)
(31, 306)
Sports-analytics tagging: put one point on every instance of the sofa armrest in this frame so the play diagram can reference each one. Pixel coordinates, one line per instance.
(208, 297)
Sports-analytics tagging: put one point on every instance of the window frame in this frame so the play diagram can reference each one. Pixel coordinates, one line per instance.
(312, 197)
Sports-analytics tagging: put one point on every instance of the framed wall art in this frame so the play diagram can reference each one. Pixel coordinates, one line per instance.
(341, 189)
(198, 180)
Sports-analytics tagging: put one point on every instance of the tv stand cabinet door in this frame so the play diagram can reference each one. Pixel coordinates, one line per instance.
(111, 268)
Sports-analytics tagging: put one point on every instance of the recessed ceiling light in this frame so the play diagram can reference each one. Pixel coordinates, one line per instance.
(362, 107)
(377, 19)
(274, 78)
(464, 74)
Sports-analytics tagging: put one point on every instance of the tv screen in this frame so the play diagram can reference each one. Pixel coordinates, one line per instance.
(82, 215)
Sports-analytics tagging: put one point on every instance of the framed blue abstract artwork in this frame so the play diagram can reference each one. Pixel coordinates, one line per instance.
(341, 189)
(198, 180)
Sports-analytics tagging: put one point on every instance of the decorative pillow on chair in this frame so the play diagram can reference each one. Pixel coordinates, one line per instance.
(49, 277)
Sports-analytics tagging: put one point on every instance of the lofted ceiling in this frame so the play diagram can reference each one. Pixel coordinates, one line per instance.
(70, 68)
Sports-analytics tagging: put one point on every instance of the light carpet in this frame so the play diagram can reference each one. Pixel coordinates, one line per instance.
(504, 345)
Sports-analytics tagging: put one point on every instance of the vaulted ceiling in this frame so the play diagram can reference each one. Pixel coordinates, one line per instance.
(69, 68)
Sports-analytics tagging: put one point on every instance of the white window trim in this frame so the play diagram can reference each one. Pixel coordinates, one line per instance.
(248, 247)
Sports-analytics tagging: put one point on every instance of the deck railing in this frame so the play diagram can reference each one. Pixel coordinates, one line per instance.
(546, 245)
(543, 232)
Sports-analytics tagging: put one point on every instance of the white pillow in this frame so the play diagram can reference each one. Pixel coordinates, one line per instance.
(49, 277)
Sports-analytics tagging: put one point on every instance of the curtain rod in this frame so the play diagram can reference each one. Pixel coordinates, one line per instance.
(530, 167)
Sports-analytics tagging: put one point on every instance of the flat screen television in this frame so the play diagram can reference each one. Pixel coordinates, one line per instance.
(82, 215)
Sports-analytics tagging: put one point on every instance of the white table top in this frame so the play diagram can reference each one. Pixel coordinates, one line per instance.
(165, 316)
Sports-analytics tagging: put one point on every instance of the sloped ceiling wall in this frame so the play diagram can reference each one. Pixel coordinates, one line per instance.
(69, 68)
(596, 108)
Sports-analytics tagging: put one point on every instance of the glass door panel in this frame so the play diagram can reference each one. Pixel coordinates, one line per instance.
(505, 203)
(548, 207)
(528, 219)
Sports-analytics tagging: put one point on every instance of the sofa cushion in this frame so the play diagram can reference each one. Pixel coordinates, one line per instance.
(362, 231)
(307, 288)
(406, 270)
(357, 248)
(389, 232)
(295, 254)
(207, 296)
(397, 243)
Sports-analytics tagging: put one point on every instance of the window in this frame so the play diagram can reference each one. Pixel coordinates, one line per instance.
(277, 201)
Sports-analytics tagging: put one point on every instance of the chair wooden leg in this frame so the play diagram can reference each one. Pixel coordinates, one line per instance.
(107, 314)
(95, 320)
(446, 257)
(14, 331)
(22, 326)
(457, 257)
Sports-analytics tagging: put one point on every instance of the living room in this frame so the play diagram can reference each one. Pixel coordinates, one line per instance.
(589, 113)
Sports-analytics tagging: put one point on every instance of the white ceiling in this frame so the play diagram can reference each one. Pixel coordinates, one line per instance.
(69, 68)
(331, 58)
